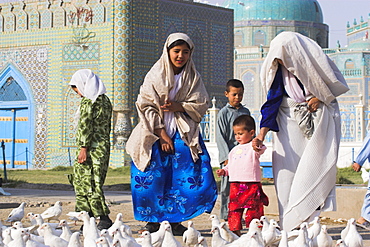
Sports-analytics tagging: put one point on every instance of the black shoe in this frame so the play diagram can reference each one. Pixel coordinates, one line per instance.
(178, 229)
(150, 227)
(104, 223)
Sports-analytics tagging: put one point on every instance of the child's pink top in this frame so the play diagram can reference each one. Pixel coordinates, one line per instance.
(244, 164)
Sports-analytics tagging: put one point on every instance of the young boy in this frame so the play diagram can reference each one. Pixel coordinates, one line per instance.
(225, 136)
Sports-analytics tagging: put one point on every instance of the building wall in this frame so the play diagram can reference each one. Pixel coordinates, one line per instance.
(43, 44)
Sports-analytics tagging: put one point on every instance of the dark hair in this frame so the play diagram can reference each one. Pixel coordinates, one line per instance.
(178, 42)
(73, 86)
(246, 121)
(234, 83)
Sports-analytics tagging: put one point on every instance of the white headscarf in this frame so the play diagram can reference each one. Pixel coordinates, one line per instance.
(89, 84)
(304, 58)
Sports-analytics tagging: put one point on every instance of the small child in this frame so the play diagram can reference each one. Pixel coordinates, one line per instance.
(224, 135)
(244, 174)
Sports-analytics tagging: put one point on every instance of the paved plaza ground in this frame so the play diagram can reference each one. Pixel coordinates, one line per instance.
(349, 205)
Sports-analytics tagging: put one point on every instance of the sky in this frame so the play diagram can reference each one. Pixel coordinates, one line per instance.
(336, 15)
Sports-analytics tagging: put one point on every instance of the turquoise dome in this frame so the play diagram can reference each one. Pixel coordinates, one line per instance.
(297, 10)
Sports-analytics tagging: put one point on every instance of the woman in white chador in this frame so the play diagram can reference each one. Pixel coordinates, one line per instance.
(301, 84)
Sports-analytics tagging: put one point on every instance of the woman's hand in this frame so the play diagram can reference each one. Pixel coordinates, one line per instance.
(165, 141)
(313, 104)
(356, 167)
(172, 106)
(82, 156)
(220, 172)
(257, 142)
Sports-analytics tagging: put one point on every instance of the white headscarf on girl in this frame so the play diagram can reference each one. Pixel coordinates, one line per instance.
(154, 92)
(89, 84)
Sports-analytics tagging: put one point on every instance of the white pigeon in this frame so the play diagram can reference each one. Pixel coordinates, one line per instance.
(147, 239)
(53, 213)
(40, 221)
(158, 236)
(324, 239)
(353, 238)
(29, 216)
(269, 236)
(116, 224)
(253, 240)
(202, 242)
(19, 225)
(315, 229)
(30, 242)
(344, 232)
(17, 214)
(284, 239)
(214, 220)
(85, 217)
(103, 242)
(73, 216)
(169, 239)
(254, 228)
(364, 175)
(217, 240)
(7, 237)
(301, 240)
(340, 243)
(265, 223)
(75, 240)
(66, 231)
(18, 240)
(108, 237)
(92, 233)
(190, 236)
(51, 239)
(119, 240)
(226, 233)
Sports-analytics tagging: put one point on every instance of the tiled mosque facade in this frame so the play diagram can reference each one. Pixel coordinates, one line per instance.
(42, 43)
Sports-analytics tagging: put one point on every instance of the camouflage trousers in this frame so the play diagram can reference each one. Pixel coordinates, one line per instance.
(88, 179)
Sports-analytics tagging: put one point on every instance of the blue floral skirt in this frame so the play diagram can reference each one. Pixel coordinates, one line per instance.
(173, 187)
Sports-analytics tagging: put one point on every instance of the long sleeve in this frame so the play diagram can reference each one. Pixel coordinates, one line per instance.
(270, 108)
(364, 153)
(85, 124)
(222, 137)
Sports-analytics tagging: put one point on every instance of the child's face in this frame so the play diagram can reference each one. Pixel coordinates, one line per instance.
(77, 91)
(243, 136)
(235, 96)
(179, 56)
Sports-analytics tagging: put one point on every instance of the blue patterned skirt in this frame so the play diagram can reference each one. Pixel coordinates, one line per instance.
(173, 187)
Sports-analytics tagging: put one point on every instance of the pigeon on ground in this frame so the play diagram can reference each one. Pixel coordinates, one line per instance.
(73, 216)
(16, 214)
(190, 236)
(340, 243)
(53, 213)
(40, 221)
(217, 240)
(284, 239)
(29, 216)
(158, 236)
(301, 240)
(92, 233)
(66, 231)
(169, 239)
(85, 217)
(344, 232)
(226, 233)
(102, 242)
(269, 236)
(147, 239)
(353, 238)
(315, 229)
(323, 239)
(75, 240)
(7, 237)
(202, 242)
(215, 221)
(18, 240)
(108, 237)
(253, 240)
(51, 239)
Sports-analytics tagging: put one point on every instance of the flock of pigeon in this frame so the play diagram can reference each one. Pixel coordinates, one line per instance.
(262, 232)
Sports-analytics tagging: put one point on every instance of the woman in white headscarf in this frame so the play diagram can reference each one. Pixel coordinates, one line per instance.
(171, 176)
(301, 84)
(93, 142)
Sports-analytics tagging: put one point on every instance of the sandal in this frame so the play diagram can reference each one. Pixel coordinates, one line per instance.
(365, 225)
(150, 227)
(178, 229)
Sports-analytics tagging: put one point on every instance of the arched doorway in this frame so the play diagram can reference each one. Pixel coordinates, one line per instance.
(16, 119)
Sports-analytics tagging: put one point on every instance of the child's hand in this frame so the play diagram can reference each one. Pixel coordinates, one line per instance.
(220, 172)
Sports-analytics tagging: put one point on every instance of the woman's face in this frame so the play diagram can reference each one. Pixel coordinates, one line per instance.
(179, 55)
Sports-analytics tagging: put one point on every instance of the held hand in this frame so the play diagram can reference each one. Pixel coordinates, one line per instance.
(356, 167)
(166, 143)
(256, 144)
(313, 104)
(172, 106)
(220, 172)
(82, 156)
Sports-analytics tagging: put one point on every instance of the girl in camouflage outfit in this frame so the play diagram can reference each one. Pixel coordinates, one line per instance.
(93, 142)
